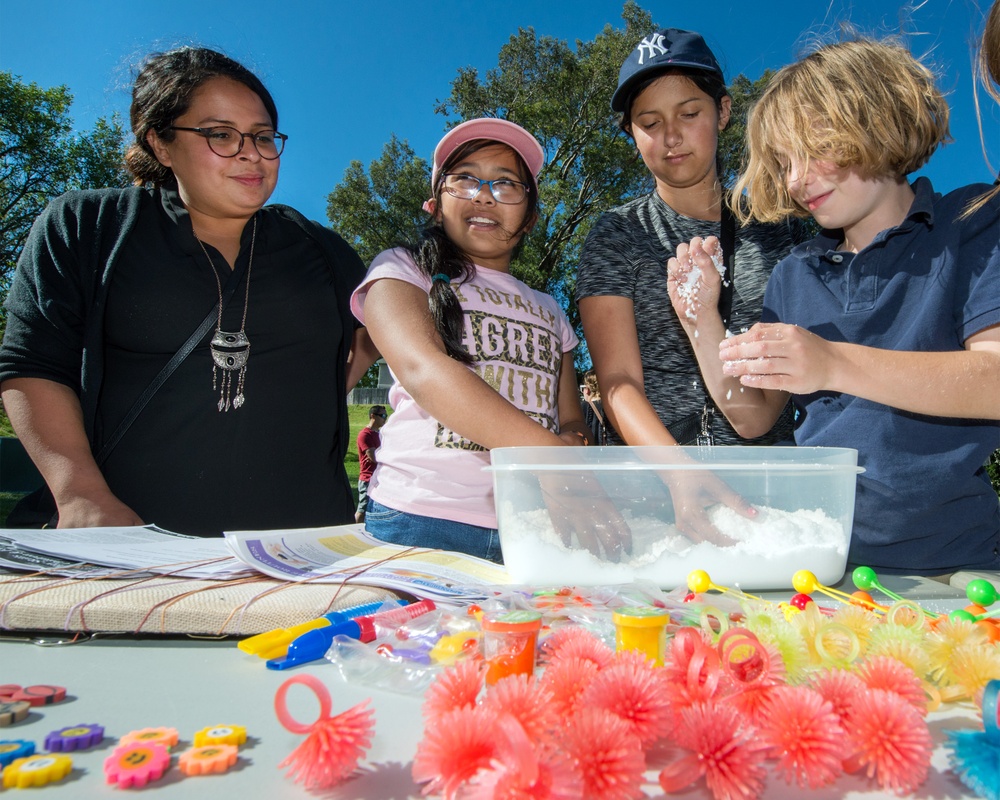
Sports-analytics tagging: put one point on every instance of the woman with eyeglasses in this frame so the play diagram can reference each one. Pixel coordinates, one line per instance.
(176, 352)
(479, 359)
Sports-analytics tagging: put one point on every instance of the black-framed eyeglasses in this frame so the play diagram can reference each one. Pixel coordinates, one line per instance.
(466, 187)
(228, 142)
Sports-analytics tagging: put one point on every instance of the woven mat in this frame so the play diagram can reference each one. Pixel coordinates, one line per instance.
(170, 605)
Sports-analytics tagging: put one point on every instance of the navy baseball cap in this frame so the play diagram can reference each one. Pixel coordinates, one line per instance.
(670, 47)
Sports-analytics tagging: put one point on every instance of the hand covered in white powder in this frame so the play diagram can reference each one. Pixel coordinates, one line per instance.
(694, 279)
(779, 356)
(694, 494)
(580, 508)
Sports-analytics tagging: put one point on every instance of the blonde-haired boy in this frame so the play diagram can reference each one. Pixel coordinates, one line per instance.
(884, 330)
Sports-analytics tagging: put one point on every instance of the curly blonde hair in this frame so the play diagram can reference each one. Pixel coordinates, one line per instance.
(863, 103)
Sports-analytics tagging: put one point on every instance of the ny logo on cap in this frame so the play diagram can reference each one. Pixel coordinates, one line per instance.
(652, 46)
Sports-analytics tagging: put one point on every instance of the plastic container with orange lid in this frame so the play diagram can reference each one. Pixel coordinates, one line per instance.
(509, 642)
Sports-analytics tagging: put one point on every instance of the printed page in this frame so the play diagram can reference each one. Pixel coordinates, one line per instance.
(140, 548)
(13, 557)
(347, 552)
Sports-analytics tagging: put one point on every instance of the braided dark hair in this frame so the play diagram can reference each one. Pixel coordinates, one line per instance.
(439, 257)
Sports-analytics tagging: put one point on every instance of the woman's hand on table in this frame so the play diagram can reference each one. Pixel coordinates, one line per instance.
(103, 511)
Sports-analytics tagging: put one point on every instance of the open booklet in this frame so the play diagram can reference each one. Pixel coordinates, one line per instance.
(315, 555)
(347, 552)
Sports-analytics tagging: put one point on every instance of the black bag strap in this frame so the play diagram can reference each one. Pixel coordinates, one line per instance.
(210, 321)
(728, 241)
(601, 434)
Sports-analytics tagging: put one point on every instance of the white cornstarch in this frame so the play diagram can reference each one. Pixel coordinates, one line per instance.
(766, 550)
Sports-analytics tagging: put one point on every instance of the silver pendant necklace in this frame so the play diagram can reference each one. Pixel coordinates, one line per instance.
(230, 351)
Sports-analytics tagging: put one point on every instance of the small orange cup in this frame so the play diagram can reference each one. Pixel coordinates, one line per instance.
(509, 642)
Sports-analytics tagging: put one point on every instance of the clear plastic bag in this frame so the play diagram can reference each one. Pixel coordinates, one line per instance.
(407, 657)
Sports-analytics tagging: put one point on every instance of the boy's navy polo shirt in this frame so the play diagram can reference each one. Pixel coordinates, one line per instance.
(924, 504)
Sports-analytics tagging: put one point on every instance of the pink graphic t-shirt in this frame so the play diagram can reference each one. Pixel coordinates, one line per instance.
(519, 338)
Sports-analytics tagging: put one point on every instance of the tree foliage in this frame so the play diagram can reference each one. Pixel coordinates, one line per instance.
(41, 157)
(381, 208)
(562, 94)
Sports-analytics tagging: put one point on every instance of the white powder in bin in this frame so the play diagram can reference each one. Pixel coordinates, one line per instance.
(768, 550)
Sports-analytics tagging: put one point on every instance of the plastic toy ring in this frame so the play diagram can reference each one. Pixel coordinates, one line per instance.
(709, 613)
(281, 709)
(744, 667)
(830, 633)
(907, 614)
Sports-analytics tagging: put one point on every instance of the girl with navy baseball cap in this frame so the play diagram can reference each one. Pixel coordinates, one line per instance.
(674, 104)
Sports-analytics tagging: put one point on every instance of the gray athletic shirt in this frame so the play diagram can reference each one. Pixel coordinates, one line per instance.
(625, 255)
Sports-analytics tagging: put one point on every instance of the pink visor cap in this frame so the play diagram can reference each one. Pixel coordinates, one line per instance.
(497, 130)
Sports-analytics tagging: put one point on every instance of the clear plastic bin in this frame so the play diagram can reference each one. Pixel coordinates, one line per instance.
(570, 515)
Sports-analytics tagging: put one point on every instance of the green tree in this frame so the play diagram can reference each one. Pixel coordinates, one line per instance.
(41, 157)
(381, 208)
(562, 94)
(99, 156)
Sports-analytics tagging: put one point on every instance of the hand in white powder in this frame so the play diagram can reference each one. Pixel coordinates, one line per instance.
(786, 357)
(694, 495)
(581, 512)
(694, 278)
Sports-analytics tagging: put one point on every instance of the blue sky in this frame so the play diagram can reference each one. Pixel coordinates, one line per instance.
(346, 75)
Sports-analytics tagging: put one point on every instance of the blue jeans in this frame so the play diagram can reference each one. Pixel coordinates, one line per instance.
(413, 530)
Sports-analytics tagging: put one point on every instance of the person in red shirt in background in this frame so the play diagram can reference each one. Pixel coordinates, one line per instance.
(368, 442)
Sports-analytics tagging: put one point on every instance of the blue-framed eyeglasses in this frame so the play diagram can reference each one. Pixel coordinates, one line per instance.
(466, 187)
(228, 142)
